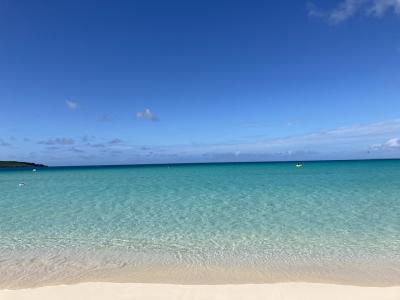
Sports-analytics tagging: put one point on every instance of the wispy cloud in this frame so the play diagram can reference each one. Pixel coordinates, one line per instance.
(340, 141)
(87, 138)
(115, 141)
(380, 7)
(373, 140)
(57, 141)
(368, 130)
(351, 134)
(357, 137)
(147, 115)
(71, 104)
(3, 143)
(76, 150)
(52, 148)
(98, 145)
(107, 118)
(349, 8)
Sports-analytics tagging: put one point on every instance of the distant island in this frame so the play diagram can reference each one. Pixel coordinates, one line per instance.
(19, 164)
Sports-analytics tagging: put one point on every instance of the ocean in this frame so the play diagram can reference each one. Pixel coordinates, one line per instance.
(334, 221)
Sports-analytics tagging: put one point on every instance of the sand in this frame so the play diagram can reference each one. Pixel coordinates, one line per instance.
(145, 291)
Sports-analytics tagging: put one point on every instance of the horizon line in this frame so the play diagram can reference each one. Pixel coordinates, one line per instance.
(209, 163)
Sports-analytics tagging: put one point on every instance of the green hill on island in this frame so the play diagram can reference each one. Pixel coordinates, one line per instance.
(19, 164)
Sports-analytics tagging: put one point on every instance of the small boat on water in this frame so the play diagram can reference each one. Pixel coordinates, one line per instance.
(34, 170)
(299, 165)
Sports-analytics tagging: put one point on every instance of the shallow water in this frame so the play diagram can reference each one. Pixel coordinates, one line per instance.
(211, 223)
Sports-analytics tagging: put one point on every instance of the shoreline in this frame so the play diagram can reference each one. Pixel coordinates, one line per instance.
(160, 291)
(216, 278)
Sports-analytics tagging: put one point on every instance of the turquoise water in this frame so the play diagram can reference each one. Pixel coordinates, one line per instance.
(211, 223)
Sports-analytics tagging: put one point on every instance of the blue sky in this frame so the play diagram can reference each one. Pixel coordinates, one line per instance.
(115, 82)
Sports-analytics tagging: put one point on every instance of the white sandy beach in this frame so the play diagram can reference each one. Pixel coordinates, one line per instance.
(139, 291)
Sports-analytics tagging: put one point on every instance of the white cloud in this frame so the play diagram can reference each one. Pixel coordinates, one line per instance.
(146, 114)
(390, 144)
(71, 104)
(350, 8)
(393, 143)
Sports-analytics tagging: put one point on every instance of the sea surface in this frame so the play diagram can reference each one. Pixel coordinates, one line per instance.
(333, 222)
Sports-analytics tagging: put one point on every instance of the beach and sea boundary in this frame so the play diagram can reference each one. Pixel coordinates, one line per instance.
(328, 230)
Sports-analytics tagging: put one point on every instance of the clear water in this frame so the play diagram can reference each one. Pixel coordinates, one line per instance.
(212, 223)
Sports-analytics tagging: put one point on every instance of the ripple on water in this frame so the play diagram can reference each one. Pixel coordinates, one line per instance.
(335, 222)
